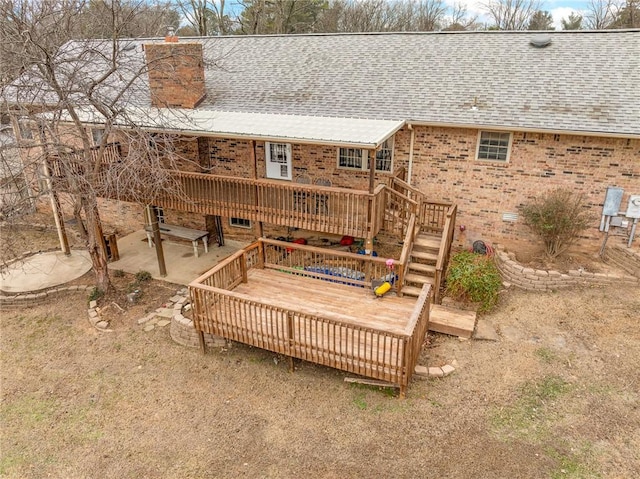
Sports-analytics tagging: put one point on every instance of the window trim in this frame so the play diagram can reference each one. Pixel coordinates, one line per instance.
(494, 160)
(364, 165)
(24, 124)
(93, 135)
(247, 226)
(288, 150)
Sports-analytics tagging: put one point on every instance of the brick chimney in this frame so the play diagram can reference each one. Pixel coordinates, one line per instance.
(176, 73)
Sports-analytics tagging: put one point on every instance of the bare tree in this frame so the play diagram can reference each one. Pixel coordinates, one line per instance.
(511, 14)
(458, 18)
(62, 89)
(600, 14)
(205, 17)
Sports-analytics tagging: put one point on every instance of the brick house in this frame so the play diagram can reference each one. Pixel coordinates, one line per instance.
(483, 120)
(353, 134)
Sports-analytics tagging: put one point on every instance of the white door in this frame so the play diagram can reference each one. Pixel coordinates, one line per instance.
(278, 160)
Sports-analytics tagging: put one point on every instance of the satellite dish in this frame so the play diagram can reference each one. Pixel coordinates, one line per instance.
(540, 41)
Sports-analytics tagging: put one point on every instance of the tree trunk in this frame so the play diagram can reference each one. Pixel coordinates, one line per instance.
(96, 244)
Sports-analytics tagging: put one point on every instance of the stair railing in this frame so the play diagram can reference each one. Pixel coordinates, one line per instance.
(445, 249)
(407, 247)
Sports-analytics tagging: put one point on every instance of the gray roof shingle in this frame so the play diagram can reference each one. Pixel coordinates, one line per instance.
(584, 81)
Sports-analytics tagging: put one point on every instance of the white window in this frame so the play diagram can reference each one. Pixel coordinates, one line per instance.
(350, 158)
(358, 159)
(494, 146)
(97, 134)
(384, 156)
(26, 133)
(240, 222)
(278, 156)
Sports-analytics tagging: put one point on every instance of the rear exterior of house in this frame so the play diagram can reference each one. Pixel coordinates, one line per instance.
(487, 121)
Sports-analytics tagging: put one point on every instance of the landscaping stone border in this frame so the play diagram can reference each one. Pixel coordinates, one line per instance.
(182, 330)
(17, 301)
(624, 258)
(546, 280)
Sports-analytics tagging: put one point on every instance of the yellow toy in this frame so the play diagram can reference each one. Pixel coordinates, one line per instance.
(382, 289)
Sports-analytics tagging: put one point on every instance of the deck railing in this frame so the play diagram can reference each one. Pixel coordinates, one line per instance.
(317, 208)
(322, 263)
(74, 161)
(445, 250)
(431, 214)
(324, 338)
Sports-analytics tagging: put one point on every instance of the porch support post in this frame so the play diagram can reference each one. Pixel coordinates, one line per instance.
(372, 179)
(254, 161)
(155, 229)
(57, 213)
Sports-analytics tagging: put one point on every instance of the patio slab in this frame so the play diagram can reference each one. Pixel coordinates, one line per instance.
(44, 270)
(182, 264)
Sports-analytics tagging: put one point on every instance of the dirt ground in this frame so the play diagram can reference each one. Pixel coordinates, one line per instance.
(556, 397)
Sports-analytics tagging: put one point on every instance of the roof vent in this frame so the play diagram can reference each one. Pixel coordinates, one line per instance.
(540, 41)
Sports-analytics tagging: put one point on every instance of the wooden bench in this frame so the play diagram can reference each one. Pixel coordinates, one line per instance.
(181, 232)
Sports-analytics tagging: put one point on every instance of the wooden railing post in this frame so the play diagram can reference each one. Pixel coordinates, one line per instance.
(243, 267)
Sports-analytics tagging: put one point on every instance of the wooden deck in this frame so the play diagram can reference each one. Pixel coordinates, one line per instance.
(310, 304)
(356, 306)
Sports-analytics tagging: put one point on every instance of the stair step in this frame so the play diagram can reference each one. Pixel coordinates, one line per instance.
(411, 291)
(428, 241)
(427, 269)
(418, 278)
(424, 255)
(456, 322)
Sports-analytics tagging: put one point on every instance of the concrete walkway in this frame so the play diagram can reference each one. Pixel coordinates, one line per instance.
(182, 264)
(44, 270)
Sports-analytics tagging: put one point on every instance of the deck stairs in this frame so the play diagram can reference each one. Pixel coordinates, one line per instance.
(421, 270)
(422, 264)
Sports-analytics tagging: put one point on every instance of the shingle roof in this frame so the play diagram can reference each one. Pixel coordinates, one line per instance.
(584, 81)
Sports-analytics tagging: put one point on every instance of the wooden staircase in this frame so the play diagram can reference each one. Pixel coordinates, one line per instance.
(422, 265)
(421, 270)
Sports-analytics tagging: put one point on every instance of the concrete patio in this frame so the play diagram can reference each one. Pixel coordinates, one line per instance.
(182, 264)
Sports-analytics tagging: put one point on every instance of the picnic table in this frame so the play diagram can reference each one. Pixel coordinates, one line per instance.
(181, 232)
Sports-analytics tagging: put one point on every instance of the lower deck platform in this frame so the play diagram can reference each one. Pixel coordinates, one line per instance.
(311, 316)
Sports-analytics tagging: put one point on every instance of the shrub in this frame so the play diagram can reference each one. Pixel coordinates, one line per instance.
(142, 276)
(95, 294)
(118, 273)
(557, 218)
(474, 277)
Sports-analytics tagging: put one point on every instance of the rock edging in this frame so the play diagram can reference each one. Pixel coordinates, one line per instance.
(624, 258)
(18, 301)
(547, 280)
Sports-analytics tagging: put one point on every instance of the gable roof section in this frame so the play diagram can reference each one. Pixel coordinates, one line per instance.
(583, 82)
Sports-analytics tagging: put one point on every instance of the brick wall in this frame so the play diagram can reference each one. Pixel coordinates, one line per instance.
(445, 168)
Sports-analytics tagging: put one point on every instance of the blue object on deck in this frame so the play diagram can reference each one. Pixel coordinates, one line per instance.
(338, 271)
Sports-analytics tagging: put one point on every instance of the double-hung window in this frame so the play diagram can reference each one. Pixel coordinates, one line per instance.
(358, 159)
(494, 146)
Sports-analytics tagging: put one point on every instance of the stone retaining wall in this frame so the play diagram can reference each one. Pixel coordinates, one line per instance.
(183, 332)
(625, 259)
(32, 299)
(543, 280)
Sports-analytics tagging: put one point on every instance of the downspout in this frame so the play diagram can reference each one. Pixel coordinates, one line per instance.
(411, 143)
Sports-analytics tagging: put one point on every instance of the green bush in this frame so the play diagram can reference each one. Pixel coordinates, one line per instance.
(557, 218)
(142, 276)
(118, 273)
(95, 294)
(475, 278)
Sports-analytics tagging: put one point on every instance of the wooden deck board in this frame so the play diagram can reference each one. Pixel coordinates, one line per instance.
(358, 305)
(452, 321)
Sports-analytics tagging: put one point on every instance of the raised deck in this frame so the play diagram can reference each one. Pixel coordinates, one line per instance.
(313, 305)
